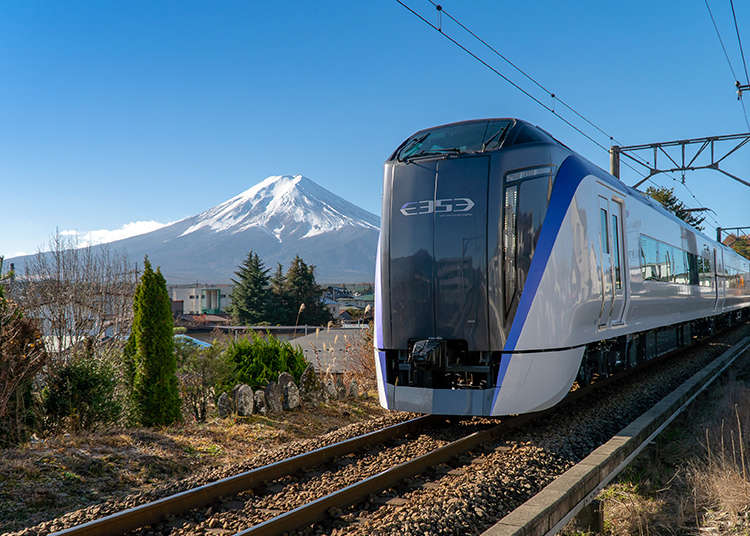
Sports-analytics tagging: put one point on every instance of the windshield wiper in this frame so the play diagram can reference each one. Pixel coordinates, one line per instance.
(495, 135)
(409, 145)
(433, 152)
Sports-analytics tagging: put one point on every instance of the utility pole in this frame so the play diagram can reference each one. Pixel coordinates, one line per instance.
(707, 155)
(614, 160)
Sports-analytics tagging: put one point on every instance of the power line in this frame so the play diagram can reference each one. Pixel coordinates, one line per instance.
(721, 41)
(439, 29)
(524, 73)
(729, 62)
(511, 82)
(739, 40)
(501, 75)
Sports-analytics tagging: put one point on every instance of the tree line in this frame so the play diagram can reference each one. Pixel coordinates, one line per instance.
(285, 299)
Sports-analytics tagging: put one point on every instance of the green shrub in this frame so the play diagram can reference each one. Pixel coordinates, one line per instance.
(179, 330)
(81, 393)
(199, 371)
(258, 361)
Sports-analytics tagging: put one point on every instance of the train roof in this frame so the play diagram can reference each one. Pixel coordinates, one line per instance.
(519, 127)
(518, 131)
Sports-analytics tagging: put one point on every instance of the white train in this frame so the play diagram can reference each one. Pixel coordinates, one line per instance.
(509, 266)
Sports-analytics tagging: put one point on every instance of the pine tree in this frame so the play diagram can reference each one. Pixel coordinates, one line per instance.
(280, 312)
(301, 288)
(251, 294)
(666, 197)
(155, 391)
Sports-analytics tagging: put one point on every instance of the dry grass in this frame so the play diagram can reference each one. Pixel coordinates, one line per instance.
(719, 478)
(48, 477)
(695, 478)
(357, 360)
(638, 513)
(363, 359)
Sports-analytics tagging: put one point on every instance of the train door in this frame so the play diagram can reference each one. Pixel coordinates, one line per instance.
(719, 280)
(612, 265)
(605, 266)
(618, 260)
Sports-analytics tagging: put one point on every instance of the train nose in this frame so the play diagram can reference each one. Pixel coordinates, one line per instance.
(438, 251)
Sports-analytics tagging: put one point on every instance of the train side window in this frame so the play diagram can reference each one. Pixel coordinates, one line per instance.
(616, 246)
(605, 231)
(692, 260)
(649, 259)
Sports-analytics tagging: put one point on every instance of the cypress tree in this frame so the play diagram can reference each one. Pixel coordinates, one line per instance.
(301, 288)
(154, 382)
(251, 294)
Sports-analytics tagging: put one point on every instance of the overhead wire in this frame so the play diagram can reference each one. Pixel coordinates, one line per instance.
(739, 40)
(439, 29)
(721, 41)
(511, 82)
(726, 55)
(501, 75)
(524, 73)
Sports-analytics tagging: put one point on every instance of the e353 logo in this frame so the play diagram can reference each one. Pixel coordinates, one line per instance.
(428, 206)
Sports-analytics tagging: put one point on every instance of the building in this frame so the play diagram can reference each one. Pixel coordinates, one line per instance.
(360, 303)
(200, 298)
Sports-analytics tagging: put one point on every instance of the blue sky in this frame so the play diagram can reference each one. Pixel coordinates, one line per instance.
(118, 112)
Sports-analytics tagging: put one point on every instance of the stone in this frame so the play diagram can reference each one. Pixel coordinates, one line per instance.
(274, 398)
(340, 388)
(291, 396)
(329, 389)
(224, 406)
(310, 386)
(244, 401)
(285, 378)
(260, 402)
(353, 390)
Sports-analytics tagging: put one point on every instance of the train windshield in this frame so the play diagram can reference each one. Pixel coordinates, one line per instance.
(472, 137)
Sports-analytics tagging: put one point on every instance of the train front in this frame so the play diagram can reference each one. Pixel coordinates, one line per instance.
(463, 208)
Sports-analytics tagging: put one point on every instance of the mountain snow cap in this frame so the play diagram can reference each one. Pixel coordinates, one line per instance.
(283, 206)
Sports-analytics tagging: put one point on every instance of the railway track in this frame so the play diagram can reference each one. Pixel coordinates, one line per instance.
(156, 511)
(235, 505)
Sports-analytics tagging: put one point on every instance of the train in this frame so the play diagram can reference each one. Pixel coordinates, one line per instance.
(510, 267)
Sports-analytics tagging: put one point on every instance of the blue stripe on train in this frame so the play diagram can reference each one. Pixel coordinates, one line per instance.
(569, 176)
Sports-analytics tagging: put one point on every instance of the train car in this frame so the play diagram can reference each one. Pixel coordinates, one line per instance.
(509, 267)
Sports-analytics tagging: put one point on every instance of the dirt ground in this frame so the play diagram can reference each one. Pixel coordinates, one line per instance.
(51, 476)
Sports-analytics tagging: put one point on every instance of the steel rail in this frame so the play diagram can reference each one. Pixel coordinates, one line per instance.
(159, 510)
(354, 493)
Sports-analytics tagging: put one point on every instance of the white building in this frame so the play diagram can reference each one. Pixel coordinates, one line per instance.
(199, 298)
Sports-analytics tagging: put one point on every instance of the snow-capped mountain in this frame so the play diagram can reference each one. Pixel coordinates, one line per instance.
(285, 206)
(280, 217)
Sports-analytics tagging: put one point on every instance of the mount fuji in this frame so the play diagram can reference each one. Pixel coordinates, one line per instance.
(280, 217)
